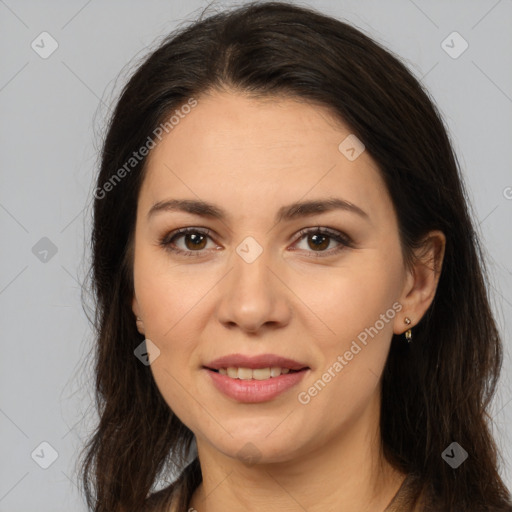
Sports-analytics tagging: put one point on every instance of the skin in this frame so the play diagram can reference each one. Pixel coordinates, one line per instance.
(251, 157)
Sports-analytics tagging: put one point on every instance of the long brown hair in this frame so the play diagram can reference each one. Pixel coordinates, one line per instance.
(434, 391)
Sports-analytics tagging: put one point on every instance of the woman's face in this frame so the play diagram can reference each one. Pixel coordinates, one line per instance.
(258, 285)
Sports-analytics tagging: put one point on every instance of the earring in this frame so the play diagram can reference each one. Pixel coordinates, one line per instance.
(408, 333)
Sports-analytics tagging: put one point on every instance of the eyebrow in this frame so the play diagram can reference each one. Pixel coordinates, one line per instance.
(285, 213)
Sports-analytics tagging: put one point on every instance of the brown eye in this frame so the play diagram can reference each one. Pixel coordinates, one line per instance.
(319, 239)
(194, 239)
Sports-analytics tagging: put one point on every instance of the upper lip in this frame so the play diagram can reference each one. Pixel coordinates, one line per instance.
(261, 361)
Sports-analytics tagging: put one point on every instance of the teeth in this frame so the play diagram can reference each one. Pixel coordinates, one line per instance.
(275, 371)
(257, 373)
(243, 373)
(260, 373)
(233, 372)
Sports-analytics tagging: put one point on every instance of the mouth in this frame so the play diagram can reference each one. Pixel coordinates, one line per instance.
(243, 373)
(254, 385)
(252, 379)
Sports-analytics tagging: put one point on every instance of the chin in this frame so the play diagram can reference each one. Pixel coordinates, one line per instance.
(252, 449)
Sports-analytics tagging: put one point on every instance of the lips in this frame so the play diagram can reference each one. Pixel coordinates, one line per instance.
(255, 362)
(254, 390)
(253, 379)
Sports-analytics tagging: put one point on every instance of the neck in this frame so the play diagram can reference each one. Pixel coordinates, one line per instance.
(345, 473)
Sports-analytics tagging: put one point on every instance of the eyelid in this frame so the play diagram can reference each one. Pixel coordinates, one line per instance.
(340, 237)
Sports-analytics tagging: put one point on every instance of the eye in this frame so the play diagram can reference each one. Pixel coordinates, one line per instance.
(321, 239)
(193, 238)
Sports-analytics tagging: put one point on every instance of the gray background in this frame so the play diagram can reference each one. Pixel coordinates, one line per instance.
(52, 115)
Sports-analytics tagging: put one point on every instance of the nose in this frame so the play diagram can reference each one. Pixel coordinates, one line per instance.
(253, 297)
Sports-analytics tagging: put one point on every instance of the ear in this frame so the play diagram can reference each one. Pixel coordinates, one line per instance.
(421, 282)
(136, 312)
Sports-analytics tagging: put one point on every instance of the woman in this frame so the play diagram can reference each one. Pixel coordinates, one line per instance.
(288, 278)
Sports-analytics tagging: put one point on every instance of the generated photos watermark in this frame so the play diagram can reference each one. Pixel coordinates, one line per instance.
(138, 156)
(304, 397)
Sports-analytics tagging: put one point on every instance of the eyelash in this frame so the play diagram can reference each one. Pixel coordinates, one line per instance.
(341, 238)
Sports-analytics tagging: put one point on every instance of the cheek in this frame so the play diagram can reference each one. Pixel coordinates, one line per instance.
(170, 314)
(170, 294)
(346, 300)
(358, 305)
(351, 361)
(168, 306)
(168, 299)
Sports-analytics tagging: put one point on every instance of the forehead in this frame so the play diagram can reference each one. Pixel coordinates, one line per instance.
(270, 130)
(232, 147)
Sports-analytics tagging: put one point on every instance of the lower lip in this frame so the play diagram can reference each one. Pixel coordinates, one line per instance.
(253, 391)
